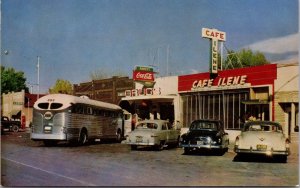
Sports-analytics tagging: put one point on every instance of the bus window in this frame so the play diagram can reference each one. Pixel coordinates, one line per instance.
(44, 105)
(54, 106)
(89, 110)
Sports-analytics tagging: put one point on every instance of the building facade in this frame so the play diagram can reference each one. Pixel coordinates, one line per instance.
(268, 92)
(109, 90)
(158, 102)
(286, 98)
(18, 104)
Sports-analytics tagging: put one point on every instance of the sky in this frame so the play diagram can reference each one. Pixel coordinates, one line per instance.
(74, 38)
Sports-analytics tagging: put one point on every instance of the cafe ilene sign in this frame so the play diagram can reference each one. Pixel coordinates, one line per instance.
(215, 36)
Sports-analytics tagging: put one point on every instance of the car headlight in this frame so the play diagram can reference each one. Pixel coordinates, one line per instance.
(237, 141)
(219, 140)
(208, 140)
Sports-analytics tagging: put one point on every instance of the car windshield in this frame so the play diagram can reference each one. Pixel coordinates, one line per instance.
(147, 126)
(204, 126)
(266, 127)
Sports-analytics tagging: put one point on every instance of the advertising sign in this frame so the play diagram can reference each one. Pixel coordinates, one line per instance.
(213, 34)
(143, 76)
(229, 79)
(214, 56)
(143, 68)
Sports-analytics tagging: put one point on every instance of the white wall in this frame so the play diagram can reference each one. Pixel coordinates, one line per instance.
(287, 77)
(168, 85)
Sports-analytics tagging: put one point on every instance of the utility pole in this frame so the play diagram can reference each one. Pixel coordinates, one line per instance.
(168, 51)
(38, 76)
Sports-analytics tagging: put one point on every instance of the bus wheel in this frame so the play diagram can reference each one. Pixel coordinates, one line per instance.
(119, 136)
(83, 138)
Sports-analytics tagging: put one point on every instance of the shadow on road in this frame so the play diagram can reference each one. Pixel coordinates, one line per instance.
(205, 152)
(259, 159)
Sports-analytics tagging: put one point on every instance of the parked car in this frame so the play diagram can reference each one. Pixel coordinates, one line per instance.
(207, 134)
(262, 137)
(9, 125)
(155, 133)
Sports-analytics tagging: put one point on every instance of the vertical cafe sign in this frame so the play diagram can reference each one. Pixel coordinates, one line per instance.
(215, 36)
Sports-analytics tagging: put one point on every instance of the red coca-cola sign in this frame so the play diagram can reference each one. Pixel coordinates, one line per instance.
(143, 76)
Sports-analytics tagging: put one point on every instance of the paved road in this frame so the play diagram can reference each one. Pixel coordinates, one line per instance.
(28, 163)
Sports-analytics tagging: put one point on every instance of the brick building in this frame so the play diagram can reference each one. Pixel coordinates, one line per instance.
(109, 90)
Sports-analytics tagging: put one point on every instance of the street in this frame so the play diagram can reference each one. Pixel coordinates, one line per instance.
(28, 163)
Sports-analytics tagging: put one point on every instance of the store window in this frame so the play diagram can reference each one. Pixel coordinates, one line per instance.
(218, 105)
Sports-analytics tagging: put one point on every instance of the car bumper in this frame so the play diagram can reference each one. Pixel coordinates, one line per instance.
(263, 152)
(139, 143)
(208, 146)
(37, 136)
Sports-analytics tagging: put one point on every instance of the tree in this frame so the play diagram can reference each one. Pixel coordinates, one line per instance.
(12, 81)
(61, 86)
(244, 58)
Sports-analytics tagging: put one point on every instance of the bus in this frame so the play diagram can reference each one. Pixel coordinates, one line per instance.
(62, 117)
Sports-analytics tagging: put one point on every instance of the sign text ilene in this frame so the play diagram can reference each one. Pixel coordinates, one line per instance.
(215, 36)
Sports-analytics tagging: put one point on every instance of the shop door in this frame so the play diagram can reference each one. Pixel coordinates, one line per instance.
(167, 112)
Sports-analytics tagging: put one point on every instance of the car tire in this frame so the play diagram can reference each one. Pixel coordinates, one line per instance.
(15, 128)
(50, 143)
(160, 146)
(133, 147)
(282, 159)
(187, 151)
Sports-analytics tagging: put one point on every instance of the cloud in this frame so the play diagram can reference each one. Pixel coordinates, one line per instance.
(281, 45)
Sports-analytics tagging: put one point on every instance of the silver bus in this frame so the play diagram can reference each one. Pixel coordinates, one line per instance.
(61, 117)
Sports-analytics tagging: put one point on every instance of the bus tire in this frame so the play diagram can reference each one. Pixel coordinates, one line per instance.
(83, 137)
(119, 136)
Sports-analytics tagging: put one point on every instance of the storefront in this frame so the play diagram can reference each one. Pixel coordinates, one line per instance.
(159, 102)
(232, 96)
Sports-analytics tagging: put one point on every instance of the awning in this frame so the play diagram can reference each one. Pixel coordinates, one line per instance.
(255, 102)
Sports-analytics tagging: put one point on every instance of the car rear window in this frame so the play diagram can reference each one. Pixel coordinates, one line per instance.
(263, 127)
(203, 125)
(147, 126)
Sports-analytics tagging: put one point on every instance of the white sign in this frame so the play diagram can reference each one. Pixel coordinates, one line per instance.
(213, 34)
(145, 92)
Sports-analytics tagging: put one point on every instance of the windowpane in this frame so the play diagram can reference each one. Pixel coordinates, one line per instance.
(43, 105)
(54, 106)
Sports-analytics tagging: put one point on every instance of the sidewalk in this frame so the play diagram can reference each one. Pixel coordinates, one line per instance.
(294, 147)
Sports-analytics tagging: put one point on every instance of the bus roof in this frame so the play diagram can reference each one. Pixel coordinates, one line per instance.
(68, 100)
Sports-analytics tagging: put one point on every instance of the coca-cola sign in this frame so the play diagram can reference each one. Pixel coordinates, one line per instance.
(144, 76)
